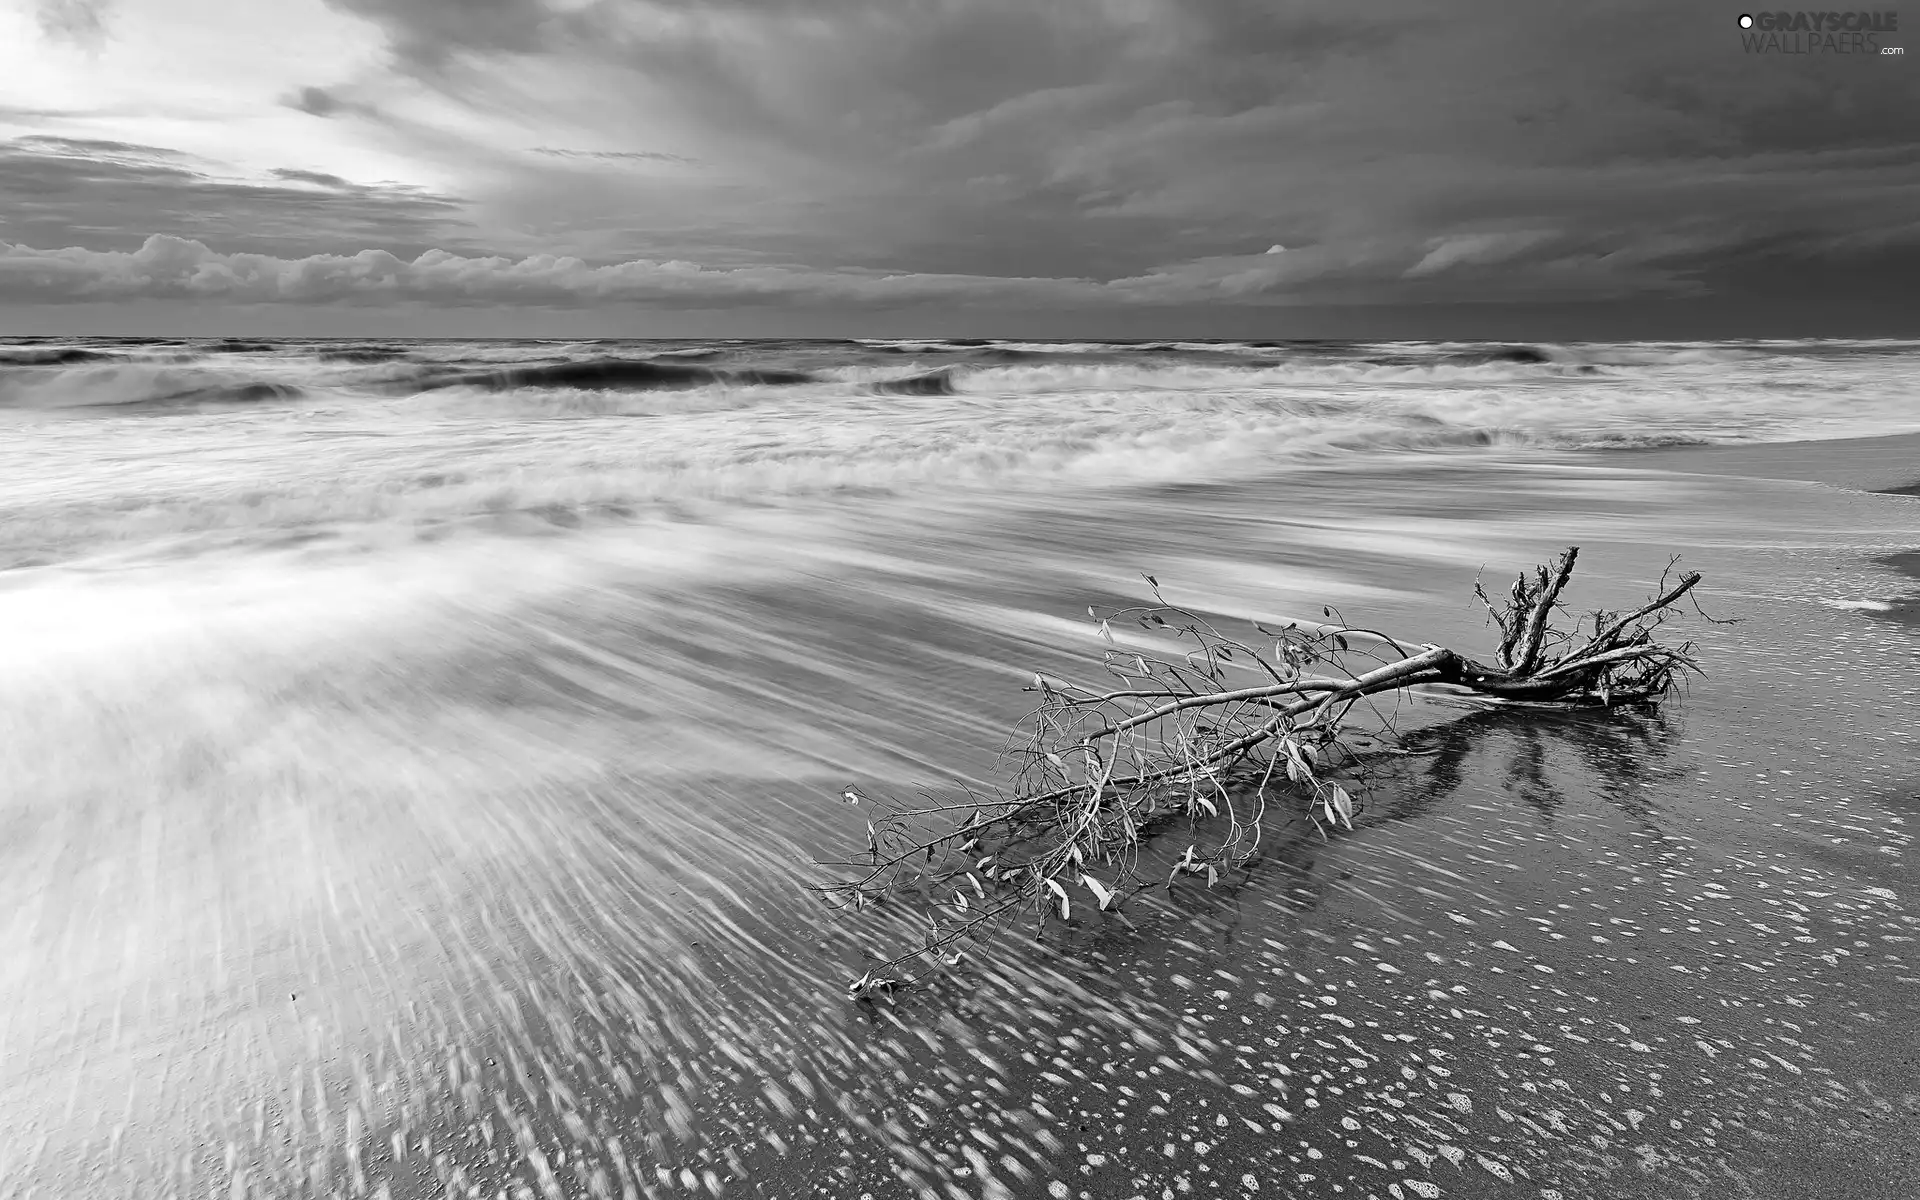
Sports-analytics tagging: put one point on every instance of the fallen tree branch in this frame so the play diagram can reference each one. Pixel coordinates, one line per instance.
(1100, 771)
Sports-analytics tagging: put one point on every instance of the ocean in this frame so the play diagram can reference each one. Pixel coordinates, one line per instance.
(414, 755)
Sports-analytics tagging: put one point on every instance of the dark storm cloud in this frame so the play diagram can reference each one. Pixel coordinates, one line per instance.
(1095, 154)
(1493, 147)
(111, 194)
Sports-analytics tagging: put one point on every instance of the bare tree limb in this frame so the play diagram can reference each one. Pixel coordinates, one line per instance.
(1099, 773)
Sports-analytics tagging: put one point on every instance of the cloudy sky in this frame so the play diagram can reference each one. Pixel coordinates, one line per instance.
(1034, 167)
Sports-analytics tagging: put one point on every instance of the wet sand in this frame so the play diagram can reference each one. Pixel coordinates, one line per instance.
(1889, 465)
(550, 940)
(1905, 609)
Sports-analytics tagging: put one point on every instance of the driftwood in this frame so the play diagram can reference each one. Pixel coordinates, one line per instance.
(1212, 730)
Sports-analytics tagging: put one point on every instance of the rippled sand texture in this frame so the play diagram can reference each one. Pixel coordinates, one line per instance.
(476, 866)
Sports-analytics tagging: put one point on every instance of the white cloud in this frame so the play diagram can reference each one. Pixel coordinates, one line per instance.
(166, 267)
(178, 267)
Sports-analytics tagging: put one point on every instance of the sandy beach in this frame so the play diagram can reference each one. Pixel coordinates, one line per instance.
(480, 868)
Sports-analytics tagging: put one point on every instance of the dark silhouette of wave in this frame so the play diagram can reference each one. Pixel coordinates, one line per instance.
(1008, 354)
(1488, 357)
(362, 354)
(933, 383)
(235, 394)
(622, 374)
(1514, 354)
(62, 357)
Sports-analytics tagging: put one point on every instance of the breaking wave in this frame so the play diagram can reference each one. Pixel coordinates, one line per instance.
(359, 440)
(136, 387)
(619, 374)
(933, 383)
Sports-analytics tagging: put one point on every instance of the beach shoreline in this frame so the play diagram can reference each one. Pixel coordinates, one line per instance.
(1882, 466)
(432, 876)
(1888, 464)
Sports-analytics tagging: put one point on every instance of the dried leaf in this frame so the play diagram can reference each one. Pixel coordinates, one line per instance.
(1213, 875)
(977, 885)
(1341, 804)
(1055, 887)
(1100, 891)
(960, 901)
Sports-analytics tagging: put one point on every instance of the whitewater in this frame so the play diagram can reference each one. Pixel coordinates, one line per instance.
(235, 444)
(414, 755)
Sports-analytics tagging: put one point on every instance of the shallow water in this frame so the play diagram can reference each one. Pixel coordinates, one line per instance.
(357, 836)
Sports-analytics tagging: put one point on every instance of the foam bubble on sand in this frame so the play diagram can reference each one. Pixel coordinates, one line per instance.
(1856, 605)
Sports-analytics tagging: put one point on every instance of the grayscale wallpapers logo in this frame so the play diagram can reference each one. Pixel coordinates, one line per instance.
(1819, 33)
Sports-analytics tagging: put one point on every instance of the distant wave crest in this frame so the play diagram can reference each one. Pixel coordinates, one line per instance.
(129, 387)
(362, 354)
(620, 374)
(59, 356)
